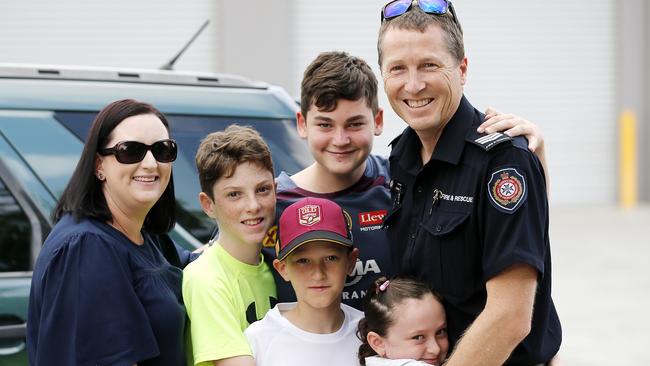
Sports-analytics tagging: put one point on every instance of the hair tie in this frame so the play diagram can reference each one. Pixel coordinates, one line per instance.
(383, 286)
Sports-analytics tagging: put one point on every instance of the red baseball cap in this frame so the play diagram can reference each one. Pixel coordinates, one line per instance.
(312, 219)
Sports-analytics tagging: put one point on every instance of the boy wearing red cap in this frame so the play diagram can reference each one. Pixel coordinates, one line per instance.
(315, 253)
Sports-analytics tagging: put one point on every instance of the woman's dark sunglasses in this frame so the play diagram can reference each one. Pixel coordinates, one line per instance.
(131, 152)
(398, 7)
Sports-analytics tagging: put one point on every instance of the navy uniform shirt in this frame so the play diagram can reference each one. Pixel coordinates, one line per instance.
(476, 208)
(367, 203)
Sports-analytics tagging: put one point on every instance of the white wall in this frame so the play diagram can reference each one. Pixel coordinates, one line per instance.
(142, 33)
(556, 68)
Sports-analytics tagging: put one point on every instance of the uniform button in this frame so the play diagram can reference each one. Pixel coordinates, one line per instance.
(438, 228)
(413, 236)
(419, 189)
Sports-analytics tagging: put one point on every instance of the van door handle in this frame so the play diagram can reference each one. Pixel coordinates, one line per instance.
(13, 331)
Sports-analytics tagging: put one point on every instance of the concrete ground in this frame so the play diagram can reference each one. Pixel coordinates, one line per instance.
(601, 284)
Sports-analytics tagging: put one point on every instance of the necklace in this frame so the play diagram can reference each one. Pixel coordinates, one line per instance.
(116, 224)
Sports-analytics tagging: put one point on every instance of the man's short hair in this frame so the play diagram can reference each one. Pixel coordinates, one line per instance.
(417, 20)
(337, 75)
(220, 153)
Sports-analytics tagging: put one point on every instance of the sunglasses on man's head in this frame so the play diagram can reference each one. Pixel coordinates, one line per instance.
(398, 7)
(131, 152)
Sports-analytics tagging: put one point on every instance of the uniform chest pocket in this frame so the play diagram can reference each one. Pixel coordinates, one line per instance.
(445, 241)
(444, 223)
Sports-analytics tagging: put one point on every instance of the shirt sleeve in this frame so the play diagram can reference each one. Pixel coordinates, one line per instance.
(215, 326)
(514, 212)
(90, 313)
(252, 334)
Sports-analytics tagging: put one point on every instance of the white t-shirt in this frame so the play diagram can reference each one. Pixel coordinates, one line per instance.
(275, 341)
(380, 361)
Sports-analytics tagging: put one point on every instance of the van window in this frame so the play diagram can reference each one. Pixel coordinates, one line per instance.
(289, 152)
(15, 234)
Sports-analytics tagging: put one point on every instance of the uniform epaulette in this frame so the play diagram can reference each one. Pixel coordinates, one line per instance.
(487, 142)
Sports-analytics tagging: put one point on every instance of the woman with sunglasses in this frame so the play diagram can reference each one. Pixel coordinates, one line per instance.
(103, 292)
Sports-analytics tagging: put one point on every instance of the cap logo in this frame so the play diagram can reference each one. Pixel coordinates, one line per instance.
(309, 215)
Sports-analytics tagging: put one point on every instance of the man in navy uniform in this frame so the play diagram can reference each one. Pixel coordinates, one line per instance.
(469, 211)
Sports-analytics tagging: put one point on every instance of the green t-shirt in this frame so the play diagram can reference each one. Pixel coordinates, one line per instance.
(223, 296)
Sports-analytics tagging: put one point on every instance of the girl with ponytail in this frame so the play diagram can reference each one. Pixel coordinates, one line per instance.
(404, 324)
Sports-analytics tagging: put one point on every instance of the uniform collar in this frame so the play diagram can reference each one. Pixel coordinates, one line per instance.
(450, 146)
(452, 141)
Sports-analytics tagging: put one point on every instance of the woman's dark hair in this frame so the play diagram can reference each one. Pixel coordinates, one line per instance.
(83, 196)
(378, 306)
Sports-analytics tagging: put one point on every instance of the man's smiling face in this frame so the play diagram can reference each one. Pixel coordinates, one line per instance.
(423, 81)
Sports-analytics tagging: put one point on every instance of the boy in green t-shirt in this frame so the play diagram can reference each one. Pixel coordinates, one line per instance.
(230, 286)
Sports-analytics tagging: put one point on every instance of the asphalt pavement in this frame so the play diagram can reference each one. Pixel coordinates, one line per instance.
(601, 284)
